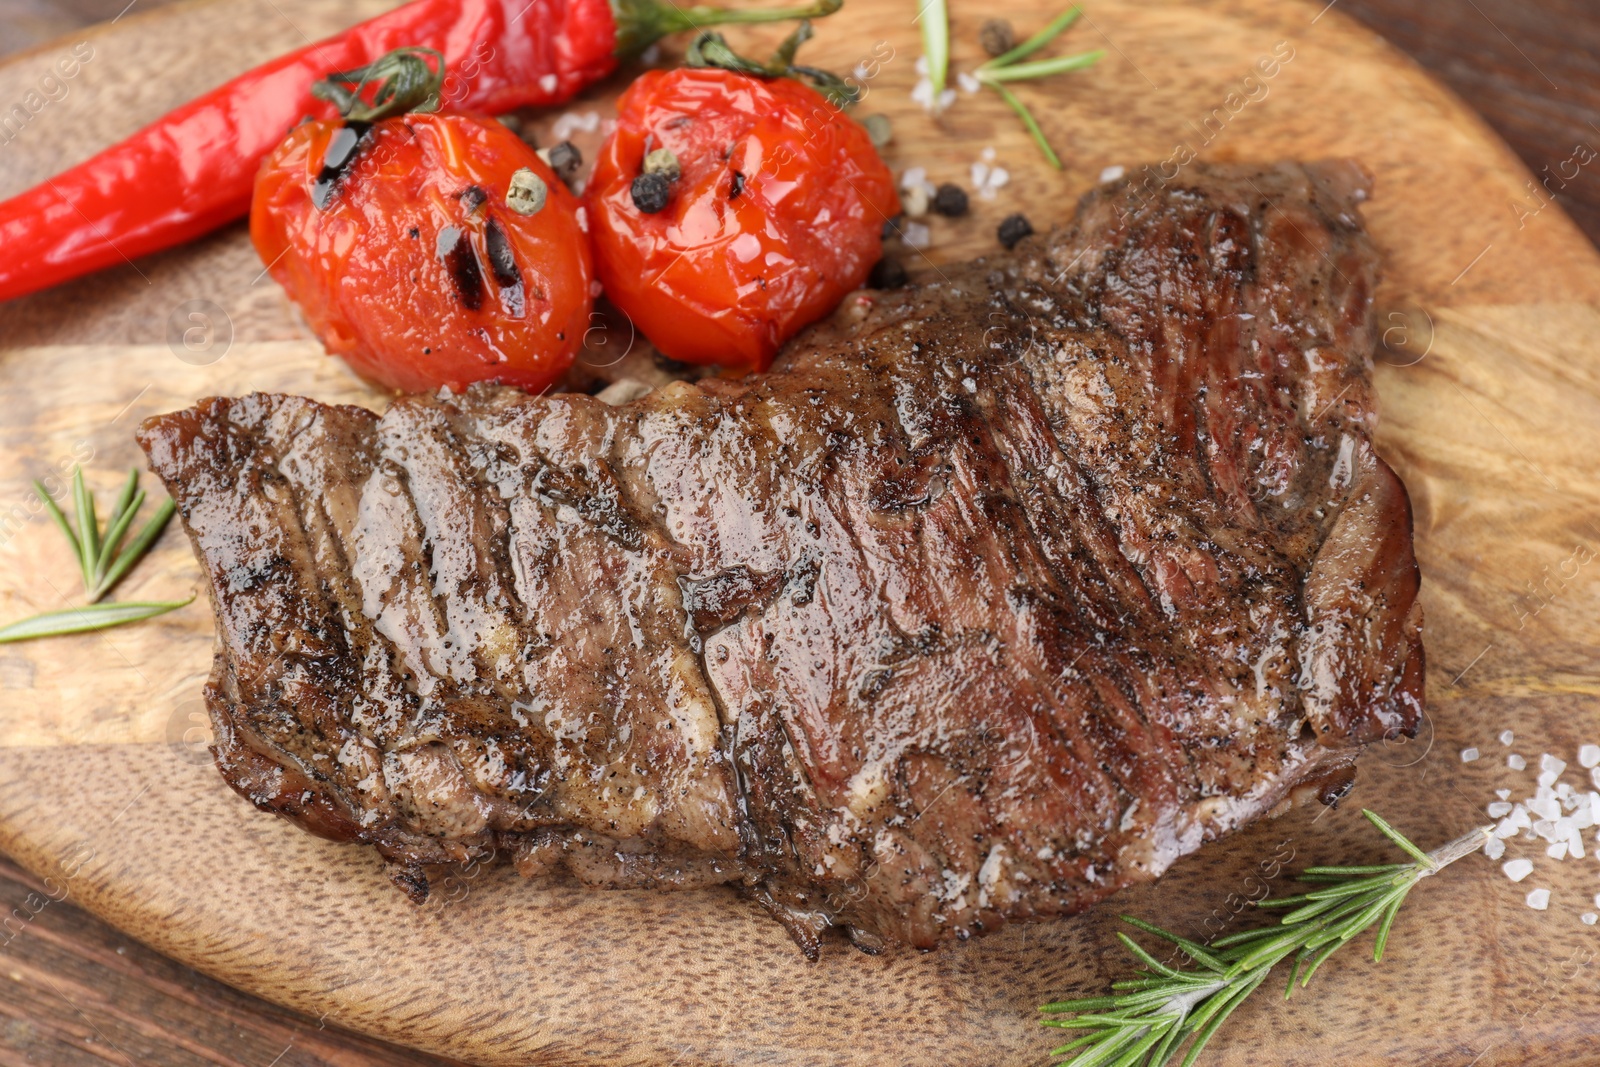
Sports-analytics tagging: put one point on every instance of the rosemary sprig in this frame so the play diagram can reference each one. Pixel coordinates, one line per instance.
(1007, 68)
(1148, 1020)
(102, 562)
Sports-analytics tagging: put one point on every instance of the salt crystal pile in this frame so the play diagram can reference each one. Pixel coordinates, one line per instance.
(1556, 814)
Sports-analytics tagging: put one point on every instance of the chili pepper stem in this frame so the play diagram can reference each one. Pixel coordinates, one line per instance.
(641, 23)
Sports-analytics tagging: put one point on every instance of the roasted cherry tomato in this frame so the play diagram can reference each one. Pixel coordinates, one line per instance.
(399, 244)
(776, 212)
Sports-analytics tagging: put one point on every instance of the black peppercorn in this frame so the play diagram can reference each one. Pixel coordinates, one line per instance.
(564, 159)
(950, 200)
(1013, 229)
(997, 37)
(891, 227)
(887, 274)
(651, 192)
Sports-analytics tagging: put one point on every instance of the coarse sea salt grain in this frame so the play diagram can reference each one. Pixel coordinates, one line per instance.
(1516, 762)
(1589, 918)
(1589, 756)
(922, 93)
(572, 121)
(1499, 809)
(1550, 769)
(1517, 870)
(1468, 755)
(1594, 776)
(1112, 173)
(1503, 794)
(1539, 899)
(1494, 848)
(1506, 737)
(1517, 820)
(968, 83)
(1583, 816)
(987, 179)
(916, 235)
(1557, 851)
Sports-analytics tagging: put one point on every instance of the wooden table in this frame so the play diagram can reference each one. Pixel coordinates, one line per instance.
(75, 991)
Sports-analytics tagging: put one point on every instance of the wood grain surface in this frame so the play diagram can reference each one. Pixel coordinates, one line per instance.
(1491, 395)
(79, 993)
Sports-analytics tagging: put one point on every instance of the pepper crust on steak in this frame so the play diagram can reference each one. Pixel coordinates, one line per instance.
(997, 594)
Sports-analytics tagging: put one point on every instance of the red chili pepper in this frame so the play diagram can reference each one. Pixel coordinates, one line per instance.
(192, 171)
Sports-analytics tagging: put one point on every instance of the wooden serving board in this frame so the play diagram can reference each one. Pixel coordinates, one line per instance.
(1491, 412)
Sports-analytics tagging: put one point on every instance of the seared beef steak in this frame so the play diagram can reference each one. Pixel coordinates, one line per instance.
(998, 594)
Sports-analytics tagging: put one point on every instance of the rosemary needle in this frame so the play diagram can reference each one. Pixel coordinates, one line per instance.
(1005, 68)
(1146, 1021)
(935, 19)
(84, 619)
(102, 561)
(1028, 120)
(1042, 68)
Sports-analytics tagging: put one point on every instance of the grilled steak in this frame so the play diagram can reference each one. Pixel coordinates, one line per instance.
(999, 593)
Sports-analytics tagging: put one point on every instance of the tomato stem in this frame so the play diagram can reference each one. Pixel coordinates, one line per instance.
(710, 50)
(641, 23)
(405, 81)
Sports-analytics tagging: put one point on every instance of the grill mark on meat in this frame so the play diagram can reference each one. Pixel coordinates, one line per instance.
(983, 604)
(320, 491)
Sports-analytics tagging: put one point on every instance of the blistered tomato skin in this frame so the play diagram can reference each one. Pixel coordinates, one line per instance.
(416, 271)
(778, 213)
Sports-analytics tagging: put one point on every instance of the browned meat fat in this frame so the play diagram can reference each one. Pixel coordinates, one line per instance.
(999, 593)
